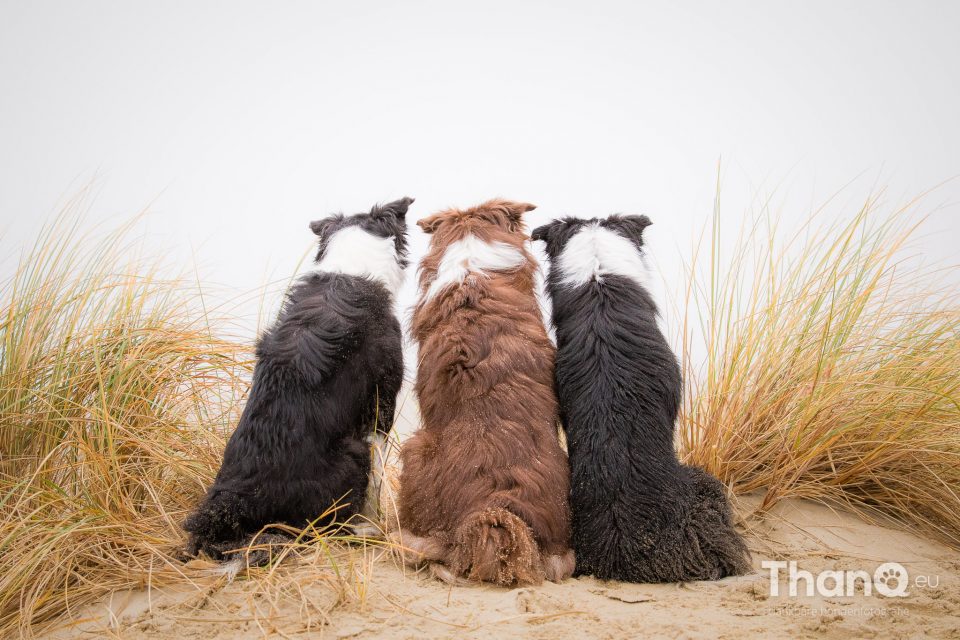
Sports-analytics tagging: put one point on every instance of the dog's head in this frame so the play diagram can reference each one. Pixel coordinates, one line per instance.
(586, 249)
(558, 233)
(370, 244)
(383, 221)
(494, 220)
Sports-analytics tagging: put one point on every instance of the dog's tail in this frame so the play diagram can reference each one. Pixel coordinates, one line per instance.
(216, 520)
(722, 552)
(216, 529)
(495, 545)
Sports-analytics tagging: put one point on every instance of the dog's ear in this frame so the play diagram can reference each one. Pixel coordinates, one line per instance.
(430, 223)
(322, 227)
(515, 210)
(631, 226)
(397, 208)
(518, 208)
(547, 231)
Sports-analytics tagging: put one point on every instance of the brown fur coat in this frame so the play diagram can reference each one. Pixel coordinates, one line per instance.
(484, 483)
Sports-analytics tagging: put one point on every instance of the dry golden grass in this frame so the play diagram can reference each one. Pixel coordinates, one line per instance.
(831, 374)
(115, 396)
(832, 369)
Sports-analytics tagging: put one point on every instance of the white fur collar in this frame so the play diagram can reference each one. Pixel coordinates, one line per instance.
(471, 254)
(353, 251)
(596, 251)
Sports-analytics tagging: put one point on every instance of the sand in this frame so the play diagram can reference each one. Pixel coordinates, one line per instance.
(370, 595)
(304, 597)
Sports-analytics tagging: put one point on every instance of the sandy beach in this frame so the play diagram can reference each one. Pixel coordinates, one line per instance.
(386, 601)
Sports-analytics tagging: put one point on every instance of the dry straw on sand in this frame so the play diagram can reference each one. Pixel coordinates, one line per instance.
(831, 374)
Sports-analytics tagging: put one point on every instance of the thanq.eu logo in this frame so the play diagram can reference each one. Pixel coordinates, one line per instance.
(890, 580)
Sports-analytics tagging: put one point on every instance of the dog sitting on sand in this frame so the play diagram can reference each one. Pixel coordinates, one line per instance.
(484, 482)
(639, 515)
(325, 384)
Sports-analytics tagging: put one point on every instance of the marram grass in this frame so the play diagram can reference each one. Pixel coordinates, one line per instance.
(831, 373)
(832, 369)
(115, 398)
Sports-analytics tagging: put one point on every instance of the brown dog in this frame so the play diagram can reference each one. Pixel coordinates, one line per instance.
(484, 483)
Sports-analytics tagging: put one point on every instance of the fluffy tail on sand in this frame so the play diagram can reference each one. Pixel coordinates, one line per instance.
(492, 545)
(495, 545)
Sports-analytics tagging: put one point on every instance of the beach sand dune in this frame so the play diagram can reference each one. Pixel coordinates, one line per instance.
(390, 602)
(378, 598)
(370, 595)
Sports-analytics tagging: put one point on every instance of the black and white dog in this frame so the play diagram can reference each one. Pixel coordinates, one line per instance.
(325, 385)
(639, 515)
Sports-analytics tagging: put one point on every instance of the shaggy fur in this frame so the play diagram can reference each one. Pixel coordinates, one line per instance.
(327, 375)
(484, 482)
(639, 515)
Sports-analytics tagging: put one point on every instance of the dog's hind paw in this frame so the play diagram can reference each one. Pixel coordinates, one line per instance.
(558, 568)
(444, 574)
(262, 550)
(415, 550)
(366, 530)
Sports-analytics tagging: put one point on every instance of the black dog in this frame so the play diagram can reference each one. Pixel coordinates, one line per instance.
(327, 376)
(639, 515)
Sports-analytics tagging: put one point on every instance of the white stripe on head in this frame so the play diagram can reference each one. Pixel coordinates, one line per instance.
(353, 251)
(471, 254)
(595, 252)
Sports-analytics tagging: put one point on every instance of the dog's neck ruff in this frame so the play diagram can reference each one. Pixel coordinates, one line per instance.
(595, 252)
(355, 252)
(472, 255)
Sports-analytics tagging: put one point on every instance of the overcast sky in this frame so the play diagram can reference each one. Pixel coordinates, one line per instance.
(237, 123)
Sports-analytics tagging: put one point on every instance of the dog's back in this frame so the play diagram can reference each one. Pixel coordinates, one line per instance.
(484, 482)
(327, 374)
(638, 514)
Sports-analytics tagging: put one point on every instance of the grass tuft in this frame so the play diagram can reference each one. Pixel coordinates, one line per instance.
(831, 368)
(115, 399)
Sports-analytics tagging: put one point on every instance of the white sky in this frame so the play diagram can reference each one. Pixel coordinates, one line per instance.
(238, 123)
